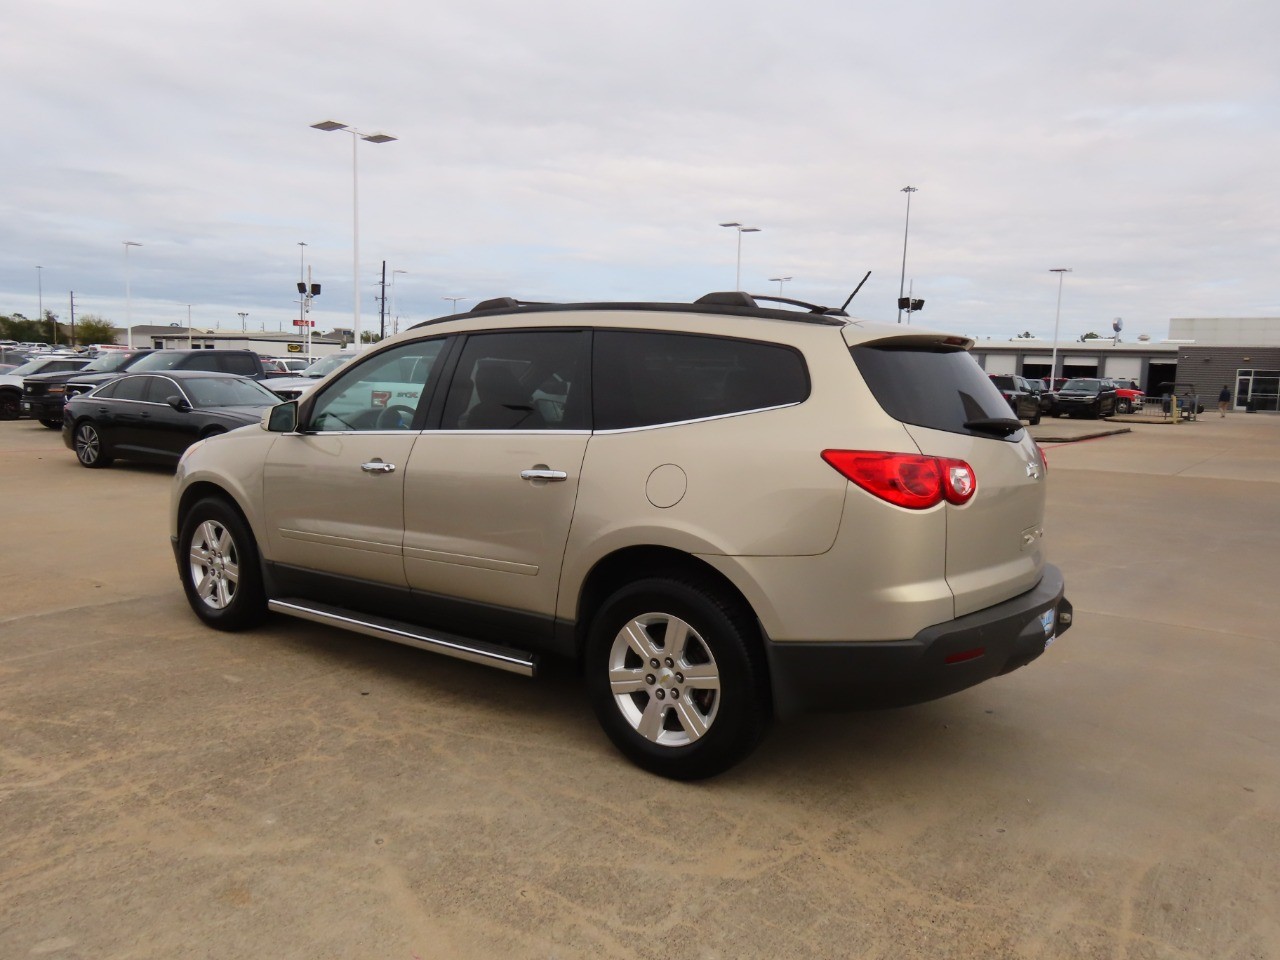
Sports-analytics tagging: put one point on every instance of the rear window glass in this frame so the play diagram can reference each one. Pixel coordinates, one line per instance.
(648, 378)
(939, 389)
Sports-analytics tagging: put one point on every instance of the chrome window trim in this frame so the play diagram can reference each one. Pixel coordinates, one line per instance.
(682, 423)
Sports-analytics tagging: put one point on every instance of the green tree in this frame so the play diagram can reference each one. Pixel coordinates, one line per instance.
(93, 329)
(1089, 336)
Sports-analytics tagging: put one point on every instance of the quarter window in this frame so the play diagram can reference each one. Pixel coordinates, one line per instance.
(648, 378)
(381, 393)
(522, 380)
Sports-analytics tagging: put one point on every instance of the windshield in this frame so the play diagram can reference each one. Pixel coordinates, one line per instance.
(228, 392)
(1085, 386)
(158, 361)
(326, 365)
(108, 362)
(31, 366)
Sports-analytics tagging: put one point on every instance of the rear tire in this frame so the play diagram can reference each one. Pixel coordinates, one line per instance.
(677, 678)
(221, 575)
(10, 405)
(1124, 406)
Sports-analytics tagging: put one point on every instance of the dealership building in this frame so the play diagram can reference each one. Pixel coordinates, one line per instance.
(1202, 352)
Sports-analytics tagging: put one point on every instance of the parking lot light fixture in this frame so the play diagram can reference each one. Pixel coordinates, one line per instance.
(779, 281)
(902, 281)
(1053, 360)
(737, 277)
(455, 303)
(329, 126)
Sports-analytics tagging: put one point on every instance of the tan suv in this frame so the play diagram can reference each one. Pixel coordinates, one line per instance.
(724, 511)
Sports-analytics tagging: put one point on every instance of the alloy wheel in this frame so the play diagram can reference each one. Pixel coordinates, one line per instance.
(664, 679)
(215, 564)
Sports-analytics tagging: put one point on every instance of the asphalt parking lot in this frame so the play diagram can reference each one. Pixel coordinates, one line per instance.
(296, 792)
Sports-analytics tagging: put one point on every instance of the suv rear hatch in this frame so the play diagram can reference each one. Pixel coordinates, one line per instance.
(950, 408)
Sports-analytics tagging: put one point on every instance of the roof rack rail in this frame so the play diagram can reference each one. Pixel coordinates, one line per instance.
(731, 302)
(811, 307)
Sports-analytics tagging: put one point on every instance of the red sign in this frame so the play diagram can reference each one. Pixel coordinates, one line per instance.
(304, 323)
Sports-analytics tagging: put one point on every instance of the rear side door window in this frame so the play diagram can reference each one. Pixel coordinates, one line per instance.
(646, 378)
(521, 380)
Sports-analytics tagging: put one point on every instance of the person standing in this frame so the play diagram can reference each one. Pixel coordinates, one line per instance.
(1224, 400)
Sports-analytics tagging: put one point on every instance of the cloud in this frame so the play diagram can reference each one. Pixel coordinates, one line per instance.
(575, 150)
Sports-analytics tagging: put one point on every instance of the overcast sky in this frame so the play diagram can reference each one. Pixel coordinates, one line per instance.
(569, 150)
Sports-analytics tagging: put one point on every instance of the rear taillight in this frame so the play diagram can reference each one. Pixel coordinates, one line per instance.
(906, 480)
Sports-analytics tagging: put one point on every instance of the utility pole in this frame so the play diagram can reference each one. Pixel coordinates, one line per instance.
(73, 320)
(382, 305)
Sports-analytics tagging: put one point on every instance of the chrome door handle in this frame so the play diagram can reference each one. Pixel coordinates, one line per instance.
(543, 475)
(377, 466)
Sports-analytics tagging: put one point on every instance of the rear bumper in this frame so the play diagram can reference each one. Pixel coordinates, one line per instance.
(940, 660)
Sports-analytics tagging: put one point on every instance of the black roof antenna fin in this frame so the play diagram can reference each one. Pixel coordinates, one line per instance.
(855, 291)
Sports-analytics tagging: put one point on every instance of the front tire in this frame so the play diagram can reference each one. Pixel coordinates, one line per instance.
(10, 405)
(91, 449)
(52, 424)
(1124, 406)
(677, 678)
(219, 565)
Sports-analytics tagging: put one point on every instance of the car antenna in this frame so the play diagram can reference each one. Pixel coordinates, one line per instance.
(855, 291)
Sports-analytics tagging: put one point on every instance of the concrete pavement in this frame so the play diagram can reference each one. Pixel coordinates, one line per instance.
(296, 792)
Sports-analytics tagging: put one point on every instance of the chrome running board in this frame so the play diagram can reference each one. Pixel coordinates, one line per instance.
(461, 648)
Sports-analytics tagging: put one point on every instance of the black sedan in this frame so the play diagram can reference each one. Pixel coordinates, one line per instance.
(156, 416)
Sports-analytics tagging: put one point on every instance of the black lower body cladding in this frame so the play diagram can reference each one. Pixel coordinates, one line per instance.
(940, 660)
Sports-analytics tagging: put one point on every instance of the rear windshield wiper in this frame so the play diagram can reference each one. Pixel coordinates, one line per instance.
(997, 426)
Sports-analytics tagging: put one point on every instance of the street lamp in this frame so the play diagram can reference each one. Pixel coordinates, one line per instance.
(329, 126)
(737, 277)
(902, 282)
(302, 277)
(128, 295)
(40, 292)
(1053, 362)
(455, 303)
(780, 281)
(244, 317)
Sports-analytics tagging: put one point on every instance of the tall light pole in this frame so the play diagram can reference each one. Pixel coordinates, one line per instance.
(455, 303)
(737, 277)
(40, 292)
(244, 320)
(780, 281)
(902, 281)
(128, 294)
(329, 126)
(1053, 362)
(302, 278)
(395, 310)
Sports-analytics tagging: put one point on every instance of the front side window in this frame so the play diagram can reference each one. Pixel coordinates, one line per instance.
(520, 380)
(381, 393)
(644, 378)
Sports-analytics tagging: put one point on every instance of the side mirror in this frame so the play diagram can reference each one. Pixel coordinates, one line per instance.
(282, 418)
(178, 403)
